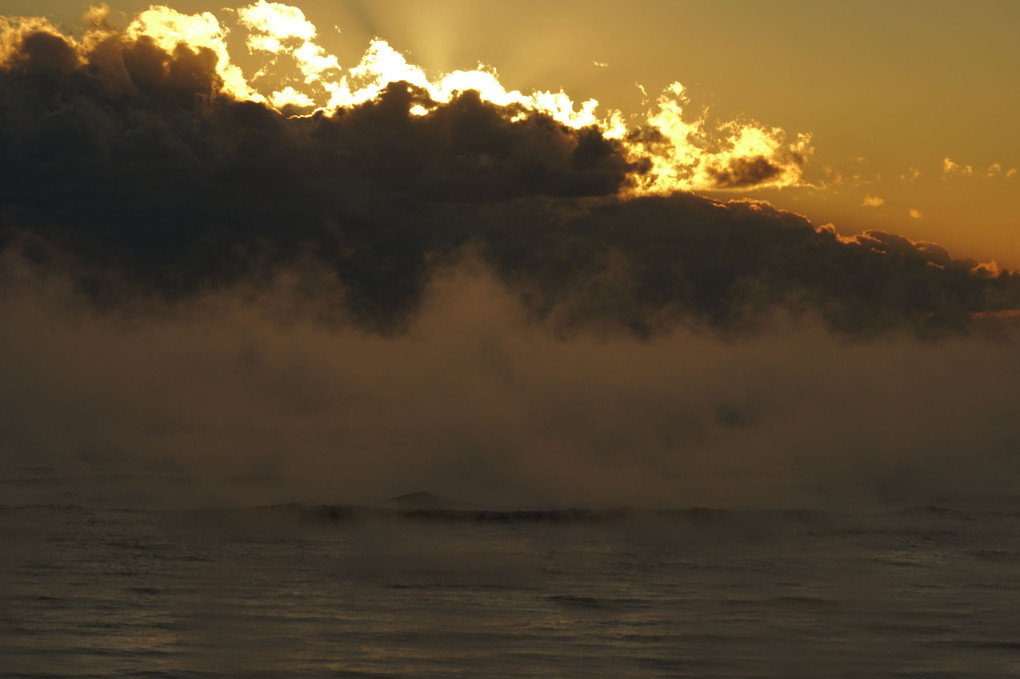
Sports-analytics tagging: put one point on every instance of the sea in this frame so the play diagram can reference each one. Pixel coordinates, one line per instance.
(298, 590)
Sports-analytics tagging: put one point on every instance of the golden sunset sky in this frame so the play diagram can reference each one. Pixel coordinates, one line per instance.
(911, 106)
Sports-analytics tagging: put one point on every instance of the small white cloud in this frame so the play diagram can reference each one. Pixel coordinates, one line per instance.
(96, 15)
(916, 214)
(288, 96)
(872, 201)
(832, 177)
(949, 167)
(987, 269)
(601, 64)
(911, 174)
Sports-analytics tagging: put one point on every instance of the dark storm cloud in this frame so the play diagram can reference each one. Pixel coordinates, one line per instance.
(890, 243)
(133, 169)
(744, 172)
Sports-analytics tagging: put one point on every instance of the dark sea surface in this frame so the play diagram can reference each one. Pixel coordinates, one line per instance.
(305, 591)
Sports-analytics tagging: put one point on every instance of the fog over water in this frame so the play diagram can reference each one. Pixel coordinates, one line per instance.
(245, 396)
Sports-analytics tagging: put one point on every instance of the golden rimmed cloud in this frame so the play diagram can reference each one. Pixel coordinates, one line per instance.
(678, 151)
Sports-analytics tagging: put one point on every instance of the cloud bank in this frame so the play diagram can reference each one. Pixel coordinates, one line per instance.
(144, 171)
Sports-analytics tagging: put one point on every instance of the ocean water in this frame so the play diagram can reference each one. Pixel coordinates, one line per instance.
(107, 591)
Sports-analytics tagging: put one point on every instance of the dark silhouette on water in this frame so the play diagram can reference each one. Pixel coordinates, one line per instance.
(422, 499)
(424, 506)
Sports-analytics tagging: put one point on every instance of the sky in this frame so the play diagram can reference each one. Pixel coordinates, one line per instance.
(911, 106)
(248, 257)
